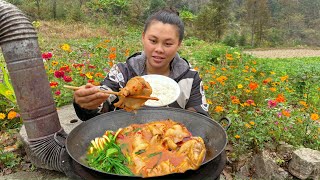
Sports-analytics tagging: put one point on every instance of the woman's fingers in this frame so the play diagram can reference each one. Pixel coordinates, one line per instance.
(89, 97)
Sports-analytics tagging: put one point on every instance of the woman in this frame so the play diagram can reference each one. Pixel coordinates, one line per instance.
(162, 37)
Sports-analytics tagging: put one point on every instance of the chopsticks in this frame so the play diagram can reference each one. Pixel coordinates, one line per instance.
(104, 91)
(115, 93)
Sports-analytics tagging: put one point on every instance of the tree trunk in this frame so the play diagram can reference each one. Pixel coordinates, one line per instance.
(38, 8)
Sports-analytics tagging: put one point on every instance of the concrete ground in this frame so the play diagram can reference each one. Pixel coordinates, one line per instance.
(68, 120)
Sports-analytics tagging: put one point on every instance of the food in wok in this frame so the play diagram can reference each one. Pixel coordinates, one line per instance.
(151, 149)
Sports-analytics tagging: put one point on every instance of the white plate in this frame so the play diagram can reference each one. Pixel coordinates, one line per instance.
(164, 88)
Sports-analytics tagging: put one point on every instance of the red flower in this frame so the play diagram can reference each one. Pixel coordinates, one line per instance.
(47, 55)
(59, 74)
(233, 97)
(91, 66)
(67, 78)
(90, 81)
(250, 101)
(65, 68)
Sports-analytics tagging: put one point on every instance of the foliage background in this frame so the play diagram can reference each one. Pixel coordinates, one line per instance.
(249, 23)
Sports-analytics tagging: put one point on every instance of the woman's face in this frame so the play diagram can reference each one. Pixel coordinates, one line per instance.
(161, 43)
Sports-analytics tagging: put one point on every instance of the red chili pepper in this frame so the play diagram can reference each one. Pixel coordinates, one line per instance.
(120, 136)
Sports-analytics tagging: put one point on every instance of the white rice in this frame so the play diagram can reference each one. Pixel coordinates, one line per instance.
(165, 91)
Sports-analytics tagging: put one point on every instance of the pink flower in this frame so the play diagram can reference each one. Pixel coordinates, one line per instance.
(67, 78)
(59, 74)
(47, 55)
(272, 103)
(58, 92)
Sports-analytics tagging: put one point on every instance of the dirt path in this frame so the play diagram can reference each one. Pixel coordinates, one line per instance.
(284, 53)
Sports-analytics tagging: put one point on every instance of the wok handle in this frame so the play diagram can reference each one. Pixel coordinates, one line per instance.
(228, 122)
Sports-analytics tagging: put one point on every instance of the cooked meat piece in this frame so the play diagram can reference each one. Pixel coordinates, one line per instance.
(177, 133)
(195, 150)
(136, 86)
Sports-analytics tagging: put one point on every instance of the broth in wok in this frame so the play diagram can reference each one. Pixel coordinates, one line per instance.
(152, 149)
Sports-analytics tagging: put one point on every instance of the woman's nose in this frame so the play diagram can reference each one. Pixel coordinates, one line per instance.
(159, 48)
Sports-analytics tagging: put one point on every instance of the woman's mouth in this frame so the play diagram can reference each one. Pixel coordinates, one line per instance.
(157, 59)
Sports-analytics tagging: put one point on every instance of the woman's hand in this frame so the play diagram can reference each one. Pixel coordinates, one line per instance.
(89, 97)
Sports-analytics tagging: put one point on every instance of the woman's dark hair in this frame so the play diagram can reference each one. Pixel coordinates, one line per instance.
(167, 16)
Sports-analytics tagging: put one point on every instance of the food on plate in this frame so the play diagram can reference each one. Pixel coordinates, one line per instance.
(151, 149)
(136, 86)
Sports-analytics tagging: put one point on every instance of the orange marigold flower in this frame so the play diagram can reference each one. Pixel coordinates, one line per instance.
(283, 78)
(280, 98)
(286, 113)
(273, 89)
(229, 57)
(253, 85)
(12, 114)
(253, 70)
(112, 56)
(218, 109)
(266, 81)
(96, 83)
(127, 52)
(223, 69)
(113, 49)
(246, 67)
(213, 68)
(205, 87)
(99, 75)
(221, 79)
(303, 103)
(237, 136)
(212, 82)
(110, 63)
(248, 125)
(314, 116)
(252, 123)
(235, 101)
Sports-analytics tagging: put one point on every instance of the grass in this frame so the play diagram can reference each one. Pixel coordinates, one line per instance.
(269, 100)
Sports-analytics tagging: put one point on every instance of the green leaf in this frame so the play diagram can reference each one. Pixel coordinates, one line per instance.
(140, 151)
(111, 152)
(154, 154)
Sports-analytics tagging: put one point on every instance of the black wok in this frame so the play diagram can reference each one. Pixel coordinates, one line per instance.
(213, 134)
